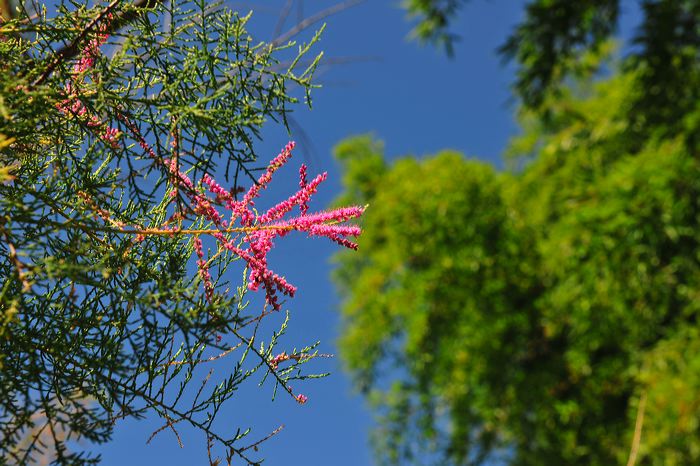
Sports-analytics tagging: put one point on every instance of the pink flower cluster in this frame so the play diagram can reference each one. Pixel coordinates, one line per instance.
(72, 105)
(260, 230)
(304, 207)
(92, 49)
(283, 356)
(301, 399)
(274, 362)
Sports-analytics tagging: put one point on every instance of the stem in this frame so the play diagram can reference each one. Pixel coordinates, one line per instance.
(181, 231)
(5, 10)
(72, 49)
(637, 430)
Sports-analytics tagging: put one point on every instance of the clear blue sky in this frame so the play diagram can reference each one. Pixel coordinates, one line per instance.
(418, 102)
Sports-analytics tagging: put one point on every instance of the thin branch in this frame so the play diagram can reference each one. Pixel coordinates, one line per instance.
(72, 49)
(328, 61)
(255, 445)
(156, 403)
(21, 273)
(637, 429)
(200, 361)
(171, 424)
(177, 231)
(311, 20)
(5, 10)
(284, 14)
(265, 361)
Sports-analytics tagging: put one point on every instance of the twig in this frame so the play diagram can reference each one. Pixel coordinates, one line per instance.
(171, 424)
(178, 231)
(21, 274)
(72, 49)
(199, 361)
(284, 14)
(265, 312)
(254, 446)
(265, 361)
(637, 429)
(5, 11)
(311, 20)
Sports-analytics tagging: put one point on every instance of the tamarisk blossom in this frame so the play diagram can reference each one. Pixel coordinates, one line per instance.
(260, 230)
(72, 105)
(302, 184)
(274, 362)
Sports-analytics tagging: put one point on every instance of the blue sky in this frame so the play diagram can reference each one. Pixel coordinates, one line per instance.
(418, 102)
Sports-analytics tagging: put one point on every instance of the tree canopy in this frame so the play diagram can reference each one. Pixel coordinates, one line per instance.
(549, 44)
(541, 315)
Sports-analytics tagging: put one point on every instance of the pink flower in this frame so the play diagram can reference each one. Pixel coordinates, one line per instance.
(72, 105)
(274, 362)
(302, 184)
(300, 198)
(262, 230)
(259, 231)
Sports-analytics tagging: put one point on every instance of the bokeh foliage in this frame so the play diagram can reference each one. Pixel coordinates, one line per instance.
(548, 44)
(522, 316)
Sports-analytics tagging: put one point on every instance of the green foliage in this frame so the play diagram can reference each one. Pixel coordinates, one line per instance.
(550, 42)
(434, 21)
(522, 316)
(672, 375)
(97, 323)
(552, 36)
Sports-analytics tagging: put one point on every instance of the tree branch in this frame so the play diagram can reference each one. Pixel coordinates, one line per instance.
(311, 20)
(5, 10)
(637, 430)
(118, 22)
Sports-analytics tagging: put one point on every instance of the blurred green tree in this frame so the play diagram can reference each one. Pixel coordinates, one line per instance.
(546, 315)
(547, 47)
